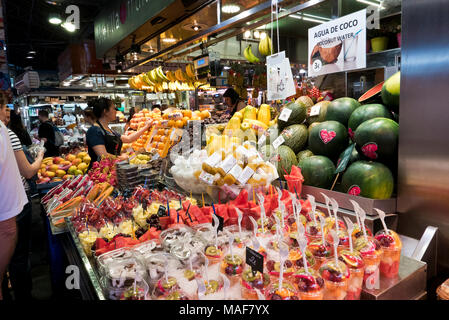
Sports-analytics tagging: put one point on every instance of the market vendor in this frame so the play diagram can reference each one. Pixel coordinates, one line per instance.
(100, 139)
(233, 101)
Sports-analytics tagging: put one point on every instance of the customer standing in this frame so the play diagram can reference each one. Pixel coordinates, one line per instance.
(12, 196)
(47, 133)
(17, 127)
(101, 140)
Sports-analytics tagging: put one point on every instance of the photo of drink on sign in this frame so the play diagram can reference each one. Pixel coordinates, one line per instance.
(338, 45)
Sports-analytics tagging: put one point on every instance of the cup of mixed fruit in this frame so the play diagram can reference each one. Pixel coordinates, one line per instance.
(250, 281)
(321, 252)
(213, 253)
(356, 266)
(286, 291)
(336, 276)
(310, 284)
(232, 266)
(371, 252)
(391, 257)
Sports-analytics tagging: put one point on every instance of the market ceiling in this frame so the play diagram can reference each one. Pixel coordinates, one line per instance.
(28, 29)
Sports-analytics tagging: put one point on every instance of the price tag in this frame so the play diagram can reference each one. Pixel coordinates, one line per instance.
(162, 211)
(262, 140)
(228, 163)
(236, 171)
(206, 178)
(317, 65)
(214, 159)
(220, 222)
(245, 175)
(315, 110)
(254, 259)
(285, 114)
(279, 141)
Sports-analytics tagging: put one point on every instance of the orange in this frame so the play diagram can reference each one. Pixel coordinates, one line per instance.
(157, 138)
(161, 131)
(157, 110)
(205, 114)
(171, 123)
(197, 113)
(187, 113)
(165, 116)
(184, 120)
(179, 124)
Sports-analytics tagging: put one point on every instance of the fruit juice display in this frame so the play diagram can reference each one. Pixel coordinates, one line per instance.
(286, 292)
(371, 252)
(274, 268)
(232, 266)
(320, 251)
(391, 257)
(336, 276)
(343, 237)
(213, 254)
(354, 262)
(253, 280)
(310, 284)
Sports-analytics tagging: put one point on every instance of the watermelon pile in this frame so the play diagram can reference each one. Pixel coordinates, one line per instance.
(317, 136)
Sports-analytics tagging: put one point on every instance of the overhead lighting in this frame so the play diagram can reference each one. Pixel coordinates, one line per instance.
(31, 52)
(109, 85)
(118, 68)
(89, 85)
(66, 84)
(372, 3)
(256, 34)
(263, 35)
(247, 34)
(230, 8)
(313, 20)
(226, 67)
(317, 17)
(196, 28)
(55, 19)
(169, 40)
(70, 27)
(151, 50)
(30, 57)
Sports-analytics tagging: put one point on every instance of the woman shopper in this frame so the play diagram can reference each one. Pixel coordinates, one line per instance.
(19, 267)
(132, 111)
(101, 140)
(12, 195)
(232, 101)
(17, 127)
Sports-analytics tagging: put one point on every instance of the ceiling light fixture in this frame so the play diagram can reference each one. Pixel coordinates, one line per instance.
(247, 34)
(66, 84)
(70, 27)
(372, 3)
(55, 19)
(118, 68)
(256, 34)
(263, 35)
(306, 18)
(230, 8)
(30, 57)
(317, 17)
(31, 52)
(169, 40)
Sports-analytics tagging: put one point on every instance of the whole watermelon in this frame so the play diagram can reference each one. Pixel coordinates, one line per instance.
(287, 159)
(391, 91)
(377, 139)
(267, 151)
(364, 113)
(318, 171)
(297, 116)
(312, 125)
(295, 137)
(306, 100)
(304, 154)
(328, 139)
(368, 179)
(341, 109)
(322, 105)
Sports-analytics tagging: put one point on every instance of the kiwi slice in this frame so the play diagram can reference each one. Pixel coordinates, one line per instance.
(189, 274)
(212, 286)
(249, 276)
(171, 282)
(233, 260)
(174, 296)
(212, 251)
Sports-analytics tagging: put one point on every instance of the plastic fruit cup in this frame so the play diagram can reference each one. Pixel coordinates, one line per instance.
(215, 259)
(355, 283)
(307, 293)
(335, 284)
(287, 292)
(248, 287)
(236, 269)
(389, 263)
(372, 262)
(335, 290)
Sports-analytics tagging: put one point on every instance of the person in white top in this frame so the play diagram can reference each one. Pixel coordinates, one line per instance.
(12, 197)
(69, 119)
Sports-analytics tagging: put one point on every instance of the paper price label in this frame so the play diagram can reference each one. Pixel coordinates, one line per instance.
(262, 140)
(285, 114)
(317, 65)
(278, 142)
(228, 163)
(206, 178)
(236, 171)
(246, 174)
(214, 159)
(315, 110)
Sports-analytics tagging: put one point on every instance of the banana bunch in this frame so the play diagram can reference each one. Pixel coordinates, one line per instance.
(181, 75)
(157, 75)
(190, 71)
(248, 53)
(265, 46)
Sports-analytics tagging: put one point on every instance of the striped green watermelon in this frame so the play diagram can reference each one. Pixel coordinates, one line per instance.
(286, 159)
(368, 179)
(318, 171)
(295, 137)
(303, 154)
(341, 109)
(328, 139)
(364, 113)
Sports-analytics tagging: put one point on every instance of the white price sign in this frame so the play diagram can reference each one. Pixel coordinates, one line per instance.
(285, 114)
(315, 110)
(262, 140)
(279, 141)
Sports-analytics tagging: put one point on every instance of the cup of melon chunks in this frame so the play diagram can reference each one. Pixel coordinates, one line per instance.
(294, 180)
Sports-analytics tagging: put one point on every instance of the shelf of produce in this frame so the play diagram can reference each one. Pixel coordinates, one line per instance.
(387, 205)
(410, 284)
(89, 279)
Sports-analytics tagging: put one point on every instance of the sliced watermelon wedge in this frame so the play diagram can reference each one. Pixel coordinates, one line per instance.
(371, 93)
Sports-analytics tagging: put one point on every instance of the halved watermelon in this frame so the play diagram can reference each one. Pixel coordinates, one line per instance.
(372, 93)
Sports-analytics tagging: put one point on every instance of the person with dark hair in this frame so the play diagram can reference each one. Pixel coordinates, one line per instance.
(46, 133)
(233, 101)
(89, 116)
(132, 111)
(17, 127)
(101, 140)
(8, 116)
